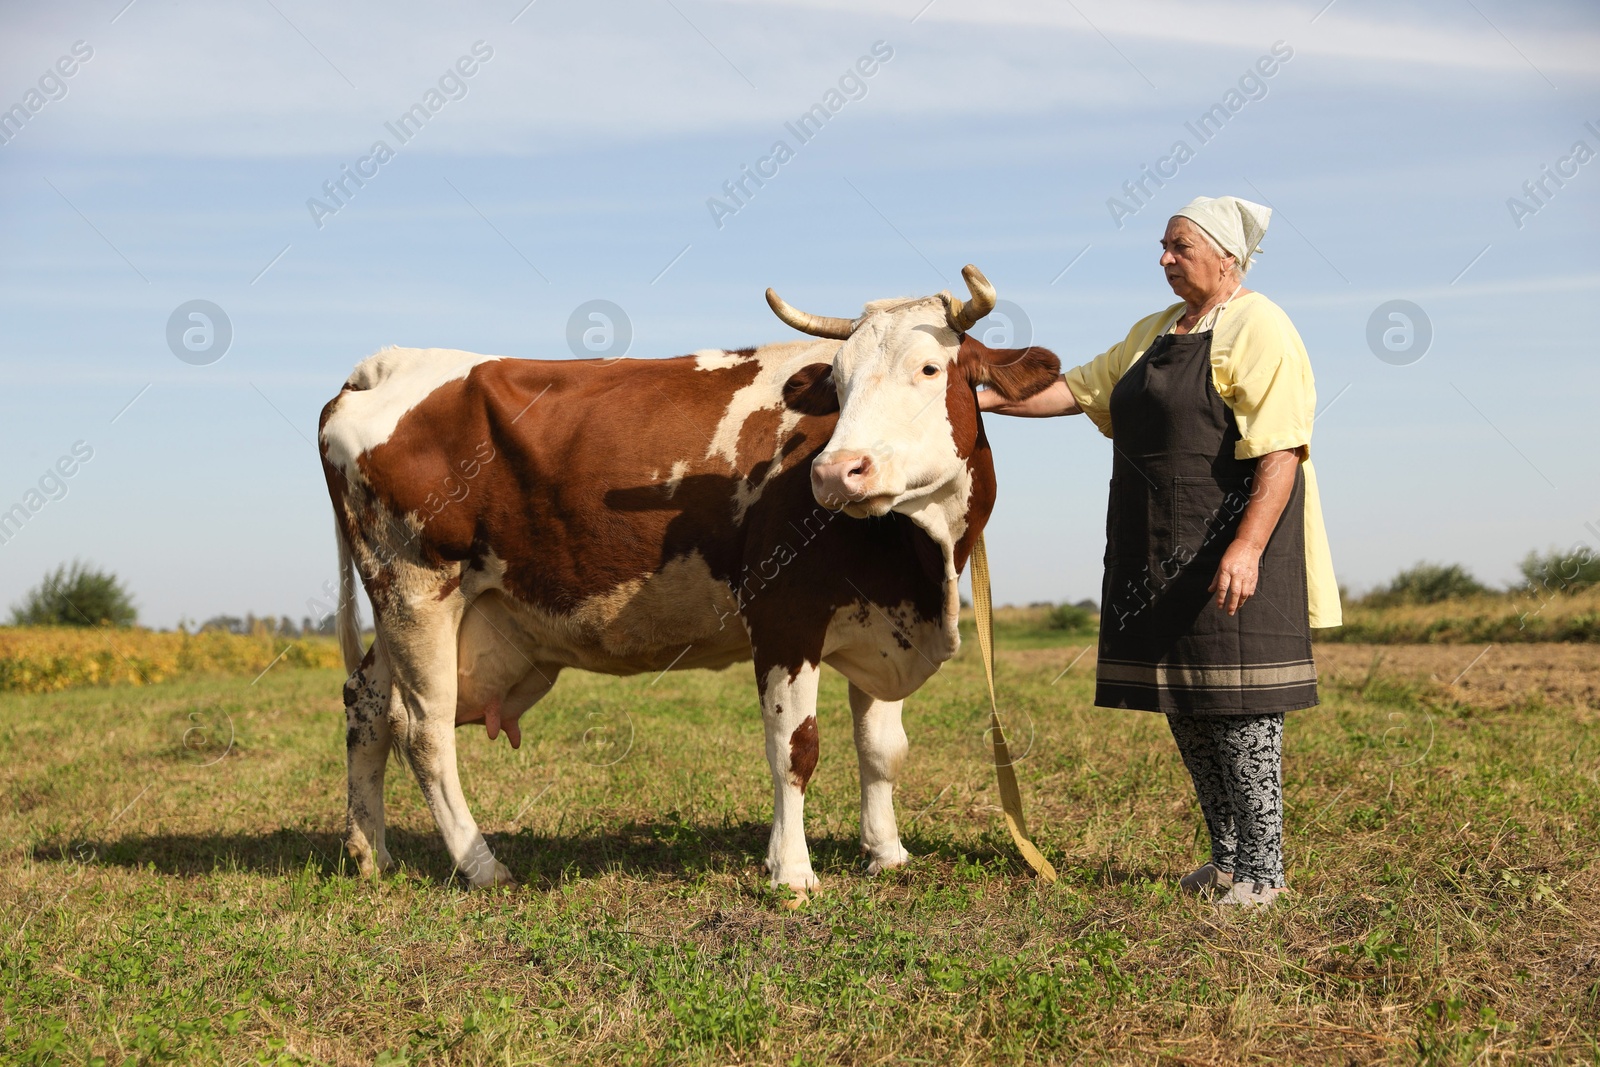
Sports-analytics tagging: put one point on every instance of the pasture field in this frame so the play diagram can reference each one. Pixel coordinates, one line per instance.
(173, 888)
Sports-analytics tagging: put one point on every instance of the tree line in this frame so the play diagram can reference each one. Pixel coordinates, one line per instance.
(1545, 573)
(79, 594)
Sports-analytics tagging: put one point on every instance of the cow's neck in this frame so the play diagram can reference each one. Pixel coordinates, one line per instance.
(951, 521)
(943, 517)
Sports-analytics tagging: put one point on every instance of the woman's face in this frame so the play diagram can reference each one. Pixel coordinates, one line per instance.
(1194, 269)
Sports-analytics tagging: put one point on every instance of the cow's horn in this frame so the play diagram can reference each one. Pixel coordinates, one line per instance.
(965, 314)
(816, 325)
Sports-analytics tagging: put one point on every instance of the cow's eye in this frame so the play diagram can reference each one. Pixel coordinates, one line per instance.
(930, 370)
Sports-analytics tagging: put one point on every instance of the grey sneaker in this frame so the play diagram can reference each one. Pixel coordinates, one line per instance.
(1206, 880)
(1252, 895)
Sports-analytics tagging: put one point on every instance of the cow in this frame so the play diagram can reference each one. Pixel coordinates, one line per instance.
(795, 504)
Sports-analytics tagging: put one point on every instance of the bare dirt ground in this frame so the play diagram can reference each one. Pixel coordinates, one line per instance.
(1492, 676)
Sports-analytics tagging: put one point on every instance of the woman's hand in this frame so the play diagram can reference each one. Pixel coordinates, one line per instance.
(1240, 570)
(1237, 575)
(1054, 399)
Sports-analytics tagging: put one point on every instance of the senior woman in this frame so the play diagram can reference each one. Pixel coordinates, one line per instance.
(1216, 563)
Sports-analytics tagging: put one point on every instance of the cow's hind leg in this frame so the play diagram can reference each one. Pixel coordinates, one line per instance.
(789, 712)
(422, 651)
(880, 750)
(367, 694)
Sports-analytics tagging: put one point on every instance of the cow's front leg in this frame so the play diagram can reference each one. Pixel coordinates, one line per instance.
(367, 693)
(789, 712)
(880, 750)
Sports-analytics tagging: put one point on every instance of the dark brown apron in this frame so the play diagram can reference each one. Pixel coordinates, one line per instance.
(1177, 496)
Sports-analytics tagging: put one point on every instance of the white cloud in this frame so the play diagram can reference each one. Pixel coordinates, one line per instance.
(1448, 35)
(198, 79)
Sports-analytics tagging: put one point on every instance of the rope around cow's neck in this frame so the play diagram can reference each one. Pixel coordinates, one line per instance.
(1010, 795)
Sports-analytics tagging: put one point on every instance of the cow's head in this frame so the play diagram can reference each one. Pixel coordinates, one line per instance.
(906, 377)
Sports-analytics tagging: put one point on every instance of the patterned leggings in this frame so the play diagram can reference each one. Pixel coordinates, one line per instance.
(1236, 762)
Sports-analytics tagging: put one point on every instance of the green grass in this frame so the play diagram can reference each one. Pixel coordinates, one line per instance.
(161, 903)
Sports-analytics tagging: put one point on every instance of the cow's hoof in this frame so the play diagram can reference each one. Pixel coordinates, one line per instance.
(370, 863)
(796, 893)
(497, 877)
(887, 859)
(800, 881)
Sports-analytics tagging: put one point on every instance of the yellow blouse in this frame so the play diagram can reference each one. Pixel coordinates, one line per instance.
(1260, 369)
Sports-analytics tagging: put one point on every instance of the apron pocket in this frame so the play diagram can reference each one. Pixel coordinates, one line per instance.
(1206, 513)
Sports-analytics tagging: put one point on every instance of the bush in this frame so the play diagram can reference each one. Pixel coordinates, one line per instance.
(1560, 572)
(1069, 617)
(76, 595)
(1427, 583)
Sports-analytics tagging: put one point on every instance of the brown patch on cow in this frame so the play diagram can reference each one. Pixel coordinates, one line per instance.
(761, 439)
(972, 445)
(803, 752)
(810, 390)
(450, 586)
(961, 407)
(572, 513)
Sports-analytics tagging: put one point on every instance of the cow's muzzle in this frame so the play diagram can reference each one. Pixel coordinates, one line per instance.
(849, 482)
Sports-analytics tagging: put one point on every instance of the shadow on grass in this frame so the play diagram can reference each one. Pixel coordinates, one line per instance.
(658, 848)
(995, 853)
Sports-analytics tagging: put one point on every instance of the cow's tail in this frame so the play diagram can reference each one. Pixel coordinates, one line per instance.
(348, 622)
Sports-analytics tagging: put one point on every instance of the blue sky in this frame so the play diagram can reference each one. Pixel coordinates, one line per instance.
(177, 161)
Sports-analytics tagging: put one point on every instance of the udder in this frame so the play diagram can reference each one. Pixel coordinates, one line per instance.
(497, 675)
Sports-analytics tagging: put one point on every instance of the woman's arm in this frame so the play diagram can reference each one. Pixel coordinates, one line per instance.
(1236, 577)
(1054, 399)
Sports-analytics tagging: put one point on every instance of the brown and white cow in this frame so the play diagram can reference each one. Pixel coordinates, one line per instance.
(796, 504)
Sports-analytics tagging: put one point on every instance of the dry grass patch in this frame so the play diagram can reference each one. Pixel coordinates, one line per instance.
(1508, 618)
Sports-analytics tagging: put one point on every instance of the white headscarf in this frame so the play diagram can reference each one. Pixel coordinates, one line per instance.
(1237, 225)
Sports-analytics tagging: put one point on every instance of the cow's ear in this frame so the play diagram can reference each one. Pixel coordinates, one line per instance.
(1014, 373)
(810, 390)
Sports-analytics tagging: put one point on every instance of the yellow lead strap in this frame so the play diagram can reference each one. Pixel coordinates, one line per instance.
(1010, 795)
